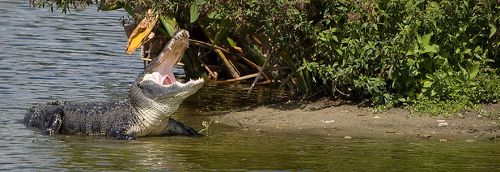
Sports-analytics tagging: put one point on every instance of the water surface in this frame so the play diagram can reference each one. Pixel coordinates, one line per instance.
(80, 56)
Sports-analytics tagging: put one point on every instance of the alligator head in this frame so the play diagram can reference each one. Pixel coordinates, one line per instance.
(156, 94)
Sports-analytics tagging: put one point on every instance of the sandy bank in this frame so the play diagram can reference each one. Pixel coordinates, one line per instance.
(349, 121)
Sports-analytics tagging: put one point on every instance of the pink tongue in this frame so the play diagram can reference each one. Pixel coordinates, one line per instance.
(164, 77)
(169, 79)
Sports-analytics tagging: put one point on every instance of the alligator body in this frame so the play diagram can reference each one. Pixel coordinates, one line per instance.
(152, 99)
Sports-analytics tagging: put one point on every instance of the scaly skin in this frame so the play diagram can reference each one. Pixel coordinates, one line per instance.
(152, 99)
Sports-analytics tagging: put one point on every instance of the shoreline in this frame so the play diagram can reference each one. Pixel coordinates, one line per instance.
(334, 119)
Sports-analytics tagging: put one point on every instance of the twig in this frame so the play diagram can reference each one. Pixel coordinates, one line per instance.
(146, 59)
(264, 82)
(237, 79)
(205, 66)
(205, 44)
(230, 66)
(261, 71)
(208, 45)
(345, 94)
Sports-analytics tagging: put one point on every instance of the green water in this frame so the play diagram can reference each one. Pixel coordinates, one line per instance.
(241, 151)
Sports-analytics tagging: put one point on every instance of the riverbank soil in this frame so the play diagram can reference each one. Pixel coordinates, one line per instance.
(338, 119)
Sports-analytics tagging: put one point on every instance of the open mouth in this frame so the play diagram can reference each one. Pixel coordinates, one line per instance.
(161, 68)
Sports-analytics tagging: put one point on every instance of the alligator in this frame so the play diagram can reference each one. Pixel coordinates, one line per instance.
(153, 97)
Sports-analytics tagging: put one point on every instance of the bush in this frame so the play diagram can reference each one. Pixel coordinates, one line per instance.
(390, 52)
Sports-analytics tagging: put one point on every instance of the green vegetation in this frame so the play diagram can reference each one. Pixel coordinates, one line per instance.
(206, 128)
(435, 56)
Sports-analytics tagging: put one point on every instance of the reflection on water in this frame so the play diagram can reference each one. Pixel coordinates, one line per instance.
(80, 56)
(230, 150)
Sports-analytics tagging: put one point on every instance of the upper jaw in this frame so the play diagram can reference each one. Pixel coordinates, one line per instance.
(161, 67)
(175, 48)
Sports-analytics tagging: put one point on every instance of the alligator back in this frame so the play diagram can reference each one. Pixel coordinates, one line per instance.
(86, 118)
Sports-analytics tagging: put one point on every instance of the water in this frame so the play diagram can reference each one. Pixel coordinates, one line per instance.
(46, 56)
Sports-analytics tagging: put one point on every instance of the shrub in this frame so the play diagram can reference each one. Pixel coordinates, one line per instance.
(390, 52)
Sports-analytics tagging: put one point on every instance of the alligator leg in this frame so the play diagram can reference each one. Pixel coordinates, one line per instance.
(48, 118)
(53, 125)
(178, 128)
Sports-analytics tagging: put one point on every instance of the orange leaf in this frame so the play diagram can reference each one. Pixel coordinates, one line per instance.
(141, 32)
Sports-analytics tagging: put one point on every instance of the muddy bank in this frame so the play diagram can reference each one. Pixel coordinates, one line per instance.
(350, 121)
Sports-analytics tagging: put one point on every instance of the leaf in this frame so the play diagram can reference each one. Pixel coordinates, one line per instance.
(464, 72)
(427, 84)
(493, 30)
(430, 49)
(467, 51)
(233, 45)
(141, 32)
(410, 62)
(218, 36)
(414, 50)
(402, 99)
(231, 42)
(375, 26)
(212, 15)
(335, 38)
(474, 70)
(301, 68)
(340, 51)
(169, 24)
(410, 52)
(194, 12)
(426, 39)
